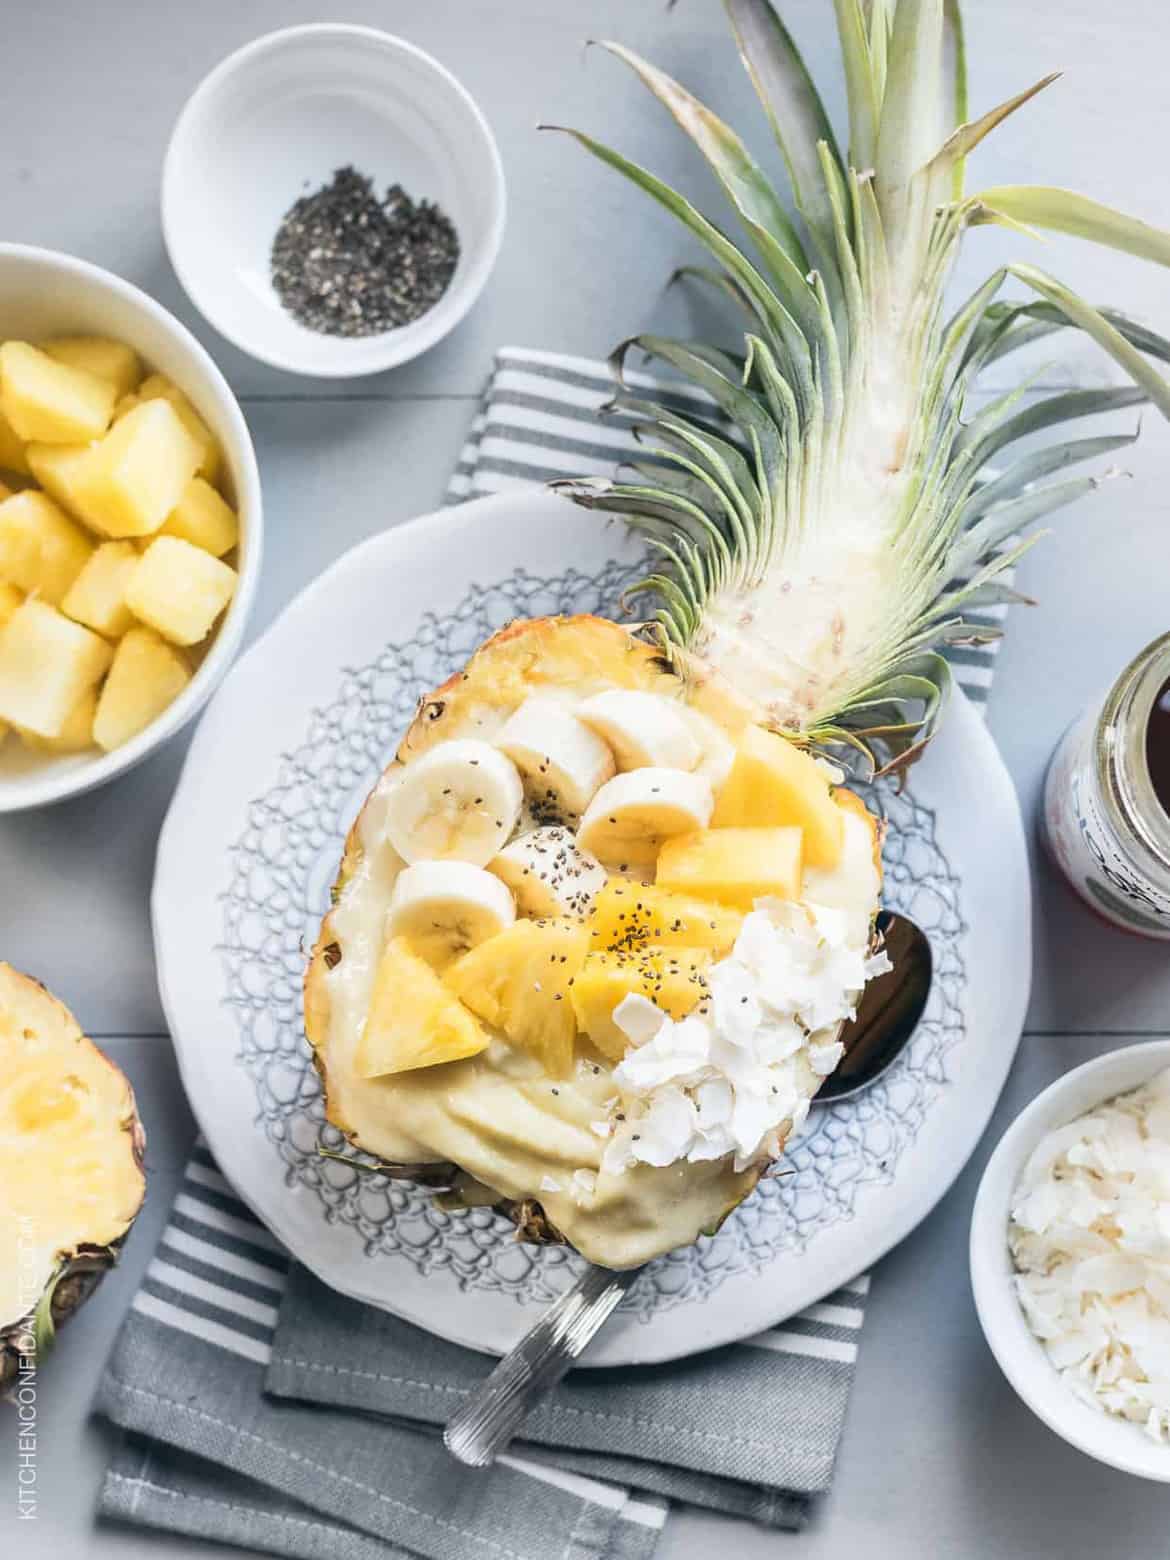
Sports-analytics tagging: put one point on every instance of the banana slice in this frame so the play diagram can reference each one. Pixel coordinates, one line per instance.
(459, 802)
(627, 821)
(549, 874)
(643, 729)
(443, 908)
(562, 761)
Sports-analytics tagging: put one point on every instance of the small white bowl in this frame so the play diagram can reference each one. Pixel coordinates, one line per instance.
(43, 293)
(276, 119)
(1021, 1356)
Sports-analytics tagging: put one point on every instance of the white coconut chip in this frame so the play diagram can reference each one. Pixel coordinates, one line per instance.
(1090, 1238)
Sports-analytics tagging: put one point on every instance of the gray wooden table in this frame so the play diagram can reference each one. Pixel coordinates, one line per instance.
(939, 1458)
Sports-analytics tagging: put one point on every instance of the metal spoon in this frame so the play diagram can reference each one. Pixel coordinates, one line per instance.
(886, 1018)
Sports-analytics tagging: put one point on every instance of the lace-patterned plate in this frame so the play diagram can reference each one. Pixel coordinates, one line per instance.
(279, 767)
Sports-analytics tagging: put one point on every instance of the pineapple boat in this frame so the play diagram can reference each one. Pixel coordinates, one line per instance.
(597, 927)
(71, 1181)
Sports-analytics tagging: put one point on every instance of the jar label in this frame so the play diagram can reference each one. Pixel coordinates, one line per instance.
(1085, 845)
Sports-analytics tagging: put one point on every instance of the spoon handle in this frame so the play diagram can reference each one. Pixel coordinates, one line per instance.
(494, 1412)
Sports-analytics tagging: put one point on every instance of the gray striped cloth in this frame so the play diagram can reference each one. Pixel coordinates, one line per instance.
(258, 1408)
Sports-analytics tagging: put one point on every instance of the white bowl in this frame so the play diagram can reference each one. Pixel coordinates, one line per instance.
(278, 117)
(1021, 1356)
(43, 293)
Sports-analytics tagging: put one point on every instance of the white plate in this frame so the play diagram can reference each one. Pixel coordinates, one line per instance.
(280, 765)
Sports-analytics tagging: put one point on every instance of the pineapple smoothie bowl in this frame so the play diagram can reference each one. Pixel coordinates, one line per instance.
(130, 526)
(592, 941)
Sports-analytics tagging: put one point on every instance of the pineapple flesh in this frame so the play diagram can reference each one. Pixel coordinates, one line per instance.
(47, 666)
(71, 1181)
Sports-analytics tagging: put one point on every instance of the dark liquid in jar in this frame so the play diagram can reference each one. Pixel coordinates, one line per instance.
(1158, 746)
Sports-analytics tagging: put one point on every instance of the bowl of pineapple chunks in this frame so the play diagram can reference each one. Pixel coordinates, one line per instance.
(130, 526)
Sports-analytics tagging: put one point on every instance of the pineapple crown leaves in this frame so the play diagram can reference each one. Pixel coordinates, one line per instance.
(825, 516)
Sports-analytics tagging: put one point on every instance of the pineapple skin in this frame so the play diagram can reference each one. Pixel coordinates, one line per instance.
(78, 1272)
(571, 651)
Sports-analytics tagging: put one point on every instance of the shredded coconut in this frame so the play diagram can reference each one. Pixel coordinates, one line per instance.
(736, 1076)
(1090, 1237)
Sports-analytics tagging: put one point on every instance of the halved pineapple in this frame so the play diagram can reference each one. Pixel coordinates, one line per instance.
(670, 976)
(50, 401)
(41, 549)
(71, 1181)
(413, 1020)
(47, 665)
(146, 677)
(524, 1131)
(179, 590)
(521, 980)
(734, 866)
(107, 359)
(773, 782)
(628, 915)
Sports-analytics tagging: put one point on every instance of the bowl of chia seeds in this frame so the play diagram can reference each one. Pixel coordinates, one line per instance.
(332, 200)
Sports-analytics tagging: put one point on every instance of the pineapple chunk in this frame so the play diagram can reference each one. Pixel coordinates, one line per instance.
(10, 599)
(129, 483)
(734, 866)
(58, 468)
(147, 676)
(47, 664)
(41, 549)
(97, 596)
(628, 915)
(413, 1020)
(670, 977)
(108, 359)
(180, 590)
(75, 735)
(204, 519)
(12, 456)
(156, 388)
(51, 401)
(773, 782)
(519, 981)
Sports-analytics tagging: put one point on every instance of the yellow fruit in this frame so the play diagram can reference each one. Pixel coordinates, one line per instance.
(670, 977)
(129, 482)
(75, 735)
(59, 468)
(413, 1021)
(179, 590)
(146, 676)
(97, 596)
(111, 360)
(520, 981)
(47, 665)
(629, 915)
(158, 388)
(50, 401)
(773, 782)
(12, 456)
(204, 519)
(734, 866)
(10, 599)
(126, 404)
(41, 549)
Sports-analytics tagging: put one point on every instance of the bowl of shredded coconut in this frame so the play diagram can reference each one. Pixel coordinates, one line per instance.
(1070, 1257)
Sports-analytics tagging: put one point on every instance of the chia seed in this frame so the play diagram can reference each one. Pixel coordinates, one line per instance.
(348, 264)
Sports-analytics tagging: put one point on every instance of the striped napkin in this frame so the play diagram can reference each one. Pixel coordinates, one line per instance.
(259, 1408)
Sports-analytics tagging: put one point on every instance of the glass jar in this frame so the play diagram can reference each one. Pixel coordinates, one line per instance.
(1103, 822)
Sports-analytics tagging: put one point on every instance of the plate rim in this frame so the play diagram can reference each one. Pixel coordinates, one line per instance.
(619, 1345)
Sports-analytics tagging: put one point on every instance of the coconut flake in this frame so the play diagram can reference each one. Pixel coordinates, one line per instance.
(1090, 1239)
